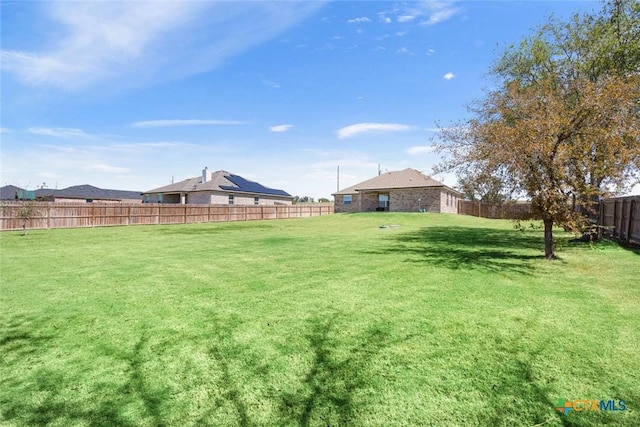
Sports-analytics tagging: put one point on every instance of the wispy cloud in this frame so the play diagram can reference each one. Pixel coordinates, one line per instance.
(439, 11)
(106, 169)
(59, 132)
(269, 83)
(426, 12)
(448, 76)
(421, 149)
(146, 42)
(404, 50)
(280, 128)
(184, 122)
(406, 18)
(362, 19)
(5, 130)
(358, 128)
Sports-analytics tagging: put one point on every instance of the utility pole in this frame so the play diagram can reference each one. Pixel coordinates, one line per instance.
(338, 180)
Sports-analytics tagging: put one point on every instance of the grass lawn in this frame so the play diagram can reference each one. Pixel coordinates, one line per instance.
(443, 320)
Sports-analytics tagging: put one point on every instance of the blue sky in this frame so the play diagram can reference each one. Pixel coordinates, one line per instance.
(128, 95)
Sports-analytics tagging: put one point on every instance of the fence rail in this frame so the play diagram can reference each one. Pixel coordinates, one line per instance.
(620, 218)
(59, 215)
(495, 210)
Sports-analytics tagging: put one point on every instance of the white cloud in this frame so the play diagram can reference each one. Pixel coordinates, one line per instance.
(5, 130)
(360, 20)
(183, 122)
(280, 128)
(144, 42)
(428, 12)
(431, 51)
(269, 83)
(49, 175)
(421, 149)
(440, 14)
(358, 128)
(403, 50)
(406, 18)
(59, 132)
(106, 169)
(449, 76)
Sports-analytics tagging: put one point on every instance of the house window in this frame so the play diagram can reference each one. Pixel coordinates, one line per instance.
(383, 200)
(230, 199)
(256, 200)
(347, 199)
(89, 200)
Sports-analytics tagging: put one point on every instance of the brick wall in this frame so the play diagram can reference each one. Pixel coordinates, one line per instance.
(402, 200)
(406, 200)
(340, 206)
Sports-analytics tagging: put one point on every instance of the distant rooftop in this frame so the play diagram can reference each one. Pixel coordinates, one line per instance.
(90, 192)
(219, 181)
(406, 178)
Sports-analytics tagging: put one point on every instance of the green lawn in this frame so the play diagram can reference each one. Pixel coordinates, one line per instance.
(443, 320)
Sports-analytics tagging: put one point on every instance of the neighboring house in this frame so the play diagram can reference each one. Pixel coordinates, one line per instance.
(12, 193)
(219, 187)
(89, 194)
(407, 190)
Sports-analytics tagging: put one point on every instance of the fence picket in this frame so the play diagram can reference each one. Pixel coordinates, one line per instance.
(72, 215)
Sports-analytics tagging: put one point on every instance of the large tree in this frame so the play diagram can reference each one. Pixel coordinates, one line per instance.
(477, 183)
(563, 123)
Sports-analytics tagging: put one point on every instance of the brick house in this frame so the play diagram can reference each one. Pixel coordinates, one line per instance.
(407, 190)
(219, 187)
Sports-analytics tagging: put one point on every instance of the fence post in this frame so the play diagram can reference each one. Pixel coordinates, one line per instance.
(629, 220)
(600, 218)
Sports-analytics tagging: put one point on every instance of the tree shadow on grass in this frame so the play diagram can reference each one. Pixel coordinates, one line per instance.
(22, 336)
(519, 386)
(29, 338)
(467, 248)
(54, 385)
(328, 391)
(325, 394)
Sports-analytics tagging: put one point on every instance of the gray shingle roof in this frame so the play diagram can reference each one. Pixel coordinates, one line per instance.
(406, 178)
(220, 181)
(8, 192)
(90, 192)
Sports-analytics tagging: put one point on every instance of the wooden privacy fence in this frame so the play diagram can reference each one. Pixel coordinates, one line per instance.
(620, 218)
(64, 215)
(495, 210)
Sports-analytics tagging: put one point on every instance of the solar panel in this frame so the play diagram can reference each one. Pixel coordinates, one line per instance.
(251, 187)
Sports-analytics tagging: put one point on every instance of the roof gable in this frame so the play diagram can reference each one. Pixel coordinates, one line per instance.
(220, 181)
(406, 178)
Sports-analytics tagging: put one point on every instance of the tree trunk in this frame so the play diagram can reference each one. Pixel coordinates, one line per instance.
(548, 239)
